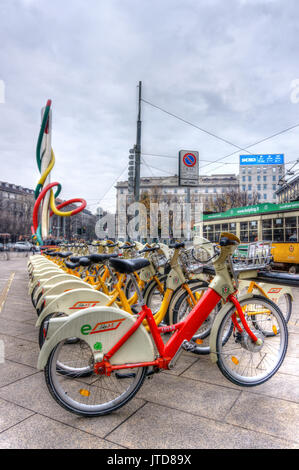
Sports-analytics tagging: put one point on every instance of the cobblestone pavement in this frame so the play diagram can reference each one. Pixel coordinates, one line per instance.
(190, 407)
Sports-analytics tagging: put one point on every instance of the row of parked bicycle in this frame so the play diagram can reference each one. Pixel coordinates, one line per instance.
(107, 320)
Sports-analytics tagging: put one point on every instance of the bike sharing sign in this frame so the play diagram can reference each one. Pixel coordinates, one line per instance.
(188, 167)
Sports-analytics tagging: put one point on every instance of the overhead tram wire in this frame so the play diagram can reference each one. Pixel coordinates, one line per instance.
(194, 125)
(173, 157)
(220, 138)
(116, 179)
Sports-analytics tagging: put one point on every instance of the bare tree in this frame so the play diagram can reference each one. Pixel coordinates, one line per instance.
(232, 198)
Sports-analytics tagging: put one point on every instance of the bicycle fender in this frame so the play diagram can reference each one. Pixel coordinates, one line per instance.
(41, 279)
(275, 291)
(44, 273)
(147, 273)
(72, 301)
(219, 317)
(101, 328)
(60, 288)
(55, 276)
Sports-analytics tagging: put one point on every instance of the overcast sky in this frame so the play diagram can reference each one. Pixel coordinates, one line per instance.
(227, 67)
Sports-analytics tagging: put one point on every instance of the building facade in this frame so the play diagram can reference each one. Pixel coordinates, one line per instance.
(167, 188)
(289, 191)
(261, 177)
(16, 208)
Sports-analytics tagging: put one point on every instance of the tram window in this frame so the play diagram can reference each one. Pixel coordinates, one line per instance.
(209, 232)
(267, 235)
(278, 223)
(278, 235)
(291, 229)
(244, 232)
(253, 237)
(217, 232)
(291, 222)
(232, 227)
(267, 229)
(267, 223)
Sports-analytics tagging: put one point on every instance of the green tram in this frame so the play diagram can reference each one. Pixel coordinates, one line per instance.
(278, 223)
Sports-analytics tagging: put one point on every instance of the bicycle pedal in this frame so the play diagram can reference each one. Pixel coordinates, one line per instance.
(188, 346)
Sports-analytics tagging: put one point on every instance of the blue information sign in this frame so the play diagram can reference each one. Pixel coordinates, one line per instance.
(267, 159)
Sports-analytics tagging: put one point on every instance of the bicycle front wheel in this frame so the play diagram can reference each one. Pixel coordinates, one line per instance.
(88, 394)
(241, 360)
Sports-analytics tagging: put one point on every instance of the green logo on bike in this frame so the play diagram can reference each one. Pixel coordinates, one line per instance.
(97, 346)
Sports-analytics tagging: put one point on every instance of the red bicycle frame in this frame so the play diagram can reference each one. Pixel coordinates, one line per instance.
(184, 330)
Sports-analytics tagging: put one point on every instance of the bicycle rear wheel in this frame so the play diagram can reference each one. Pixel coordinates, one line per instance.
(241, 360)
(88, 394)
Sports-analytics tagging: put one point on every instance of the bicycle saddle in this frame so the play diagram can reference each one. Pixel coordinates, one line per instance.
(224, 241)
(84, 261)
(177, 245)
(100, 258)
(126, 247)
(128, 266)
(75, 259)
(149, 248)
(64, 254)
(71, 265)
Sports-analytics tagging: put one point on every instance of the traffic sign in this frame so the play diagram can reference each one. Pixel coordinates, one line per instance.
(188, 167)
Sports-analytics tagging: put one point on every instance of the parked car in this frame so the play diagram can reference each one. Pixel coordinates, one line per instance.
(23, 246)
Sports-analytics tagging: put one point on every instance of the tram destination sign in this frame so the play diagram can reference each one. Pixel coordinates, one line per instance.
(188, 167)
(267, 159)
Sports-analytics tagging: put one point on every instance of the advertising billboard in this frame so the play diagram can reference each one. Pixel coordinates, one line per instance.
(267, 159)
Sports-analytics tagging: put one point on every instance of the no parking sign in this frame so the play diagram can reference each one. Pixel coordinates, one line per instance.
(188, 167)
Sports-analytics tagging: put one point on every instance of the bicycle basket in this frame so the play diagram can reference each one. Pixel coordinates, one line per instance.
(158, 259)
(255, 255)
(189, 263)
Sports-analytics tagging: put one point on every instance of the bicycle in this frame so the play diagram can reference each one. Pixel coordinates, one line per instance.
(66, 297)
(112, 342)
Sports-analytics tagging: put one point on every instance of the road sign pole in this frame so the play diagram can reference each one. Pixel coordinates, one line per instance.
(138, 148)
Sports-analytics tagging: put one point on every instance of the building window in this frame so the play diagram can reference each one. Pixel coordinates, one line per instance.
(249, 187)
(273, 187)
(265, 186)
(243, 187)
(259, 187)
(249, 178)
(264, 178)
(243, 178)
(259, 178)
(274, 178)
(265, 197)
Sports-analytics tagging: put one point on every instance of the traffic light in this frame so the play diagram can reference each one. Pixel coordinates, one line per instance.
(131, 171)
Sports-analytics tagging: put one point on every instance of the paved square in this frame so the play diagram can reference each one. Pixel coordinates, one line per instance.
(192, 406)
